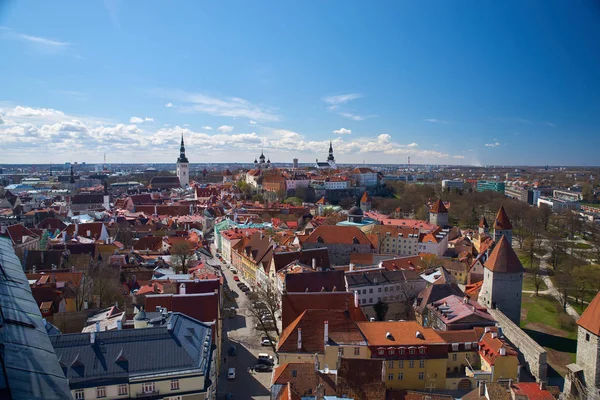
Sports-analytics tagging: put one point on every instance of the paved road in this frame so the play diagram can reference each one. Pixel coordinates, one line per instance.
(240, 331)
(552, 291)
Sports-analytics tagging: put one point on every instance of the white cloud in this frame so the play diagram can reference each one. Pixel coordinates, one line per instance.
(207, 128)
(353, 117)
(458, 157)
(495, 144)
(252, 122)
(234, 107)
(225, 128)
(436, 121)
(138, 120)
(342, 131)
(42, 41)
(1, 119)
(169, 105)
(186, 125)
(26, 112)
(341, 99)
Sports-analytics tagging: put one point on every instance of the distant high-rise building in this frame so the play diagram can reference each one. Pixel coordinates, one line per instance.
(183, 166)
(295, 163)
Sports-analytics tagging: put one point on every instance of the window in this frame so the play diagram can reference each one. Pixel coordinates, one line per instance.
(454, 346)
(401, 364)
(341, 351)
(421, 376)
(378, 290)
(391, 364)
(421, 363)
(411, 350)
(175, 384)
(79, 395)
(587, 337)
(101, 391)
(454, 357)
(381, 351)
(422, 350)
(371, 290)
(385, 289)
(390, 376)
(411, 364)
(357, 351)
(370, 300)
(468, 346)
(294, 373)
(123, 390)
(364, 301)
(148, 387)
(400, 376)
(364, 291)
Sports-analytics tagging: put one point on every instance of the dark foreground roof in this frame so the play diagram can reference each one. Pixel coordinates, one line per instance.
(31, 369)
(117, 354)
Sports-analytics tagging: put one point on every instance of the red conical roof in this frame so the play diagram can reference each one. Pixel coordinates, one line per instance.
(504, 258)
(590, 319)
(365, 198)
(502, 222)
(438, 207)
(483, 222)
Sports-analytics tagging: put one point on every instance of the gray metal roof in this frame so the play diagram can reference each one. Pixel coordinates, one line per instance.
(118, 354)
(380, 277)
(30, 367)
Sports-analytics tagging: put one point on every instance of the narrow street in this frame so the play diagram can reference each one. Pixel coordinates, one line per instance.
(240, 332)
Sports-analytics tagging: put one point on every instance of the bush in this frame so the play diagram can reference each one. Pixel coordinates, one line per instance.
(566, 322)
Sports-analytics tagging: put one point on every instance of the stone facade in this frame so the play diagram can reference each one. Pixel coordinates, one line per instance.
(439, 219)
(499, 233)
(503, 291)
(339, 254)
(531, 355)
(588, 350)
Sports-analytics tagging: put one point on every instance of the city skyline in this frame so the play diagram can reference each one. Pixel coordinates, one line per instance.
(477, 84)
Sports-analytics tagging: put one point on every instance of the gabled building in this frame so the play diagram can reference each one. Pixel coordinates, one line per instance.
(502, 226)
(499, 361)
(173, 360)
(438, 214)
(340, 241)
(458, 313)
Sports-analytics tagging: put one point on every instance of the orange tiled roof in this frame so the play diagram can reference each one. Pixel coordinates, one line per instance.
(438, 207)
(503, 258)
(490, 345)
(502, 222)
(590, 319)
(403, 332)
(330, 234)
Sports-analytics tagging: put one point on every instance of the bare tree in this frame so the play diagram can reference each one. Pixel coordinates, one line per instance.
(264, 308)
(537, 278)
(106, 284)
(181, 253)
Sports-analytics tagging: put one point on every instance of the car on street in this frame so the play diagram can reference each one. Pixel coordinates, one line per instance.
(231, 373)
(232, 350)
(265, 341)
(236, 278)
(265, 361)
(263, 368)
(233, 271)
(245, 289)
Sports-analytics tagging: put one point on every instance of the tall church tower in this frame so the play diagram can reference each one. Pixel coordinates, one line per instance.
(330, 157)
(502, 226)
(503, 281)
(183, 166)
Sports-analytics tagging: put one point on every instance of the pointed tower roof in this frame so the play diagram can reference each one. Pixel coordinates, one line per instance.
(182, 158)
(590, 319)
(502, 222)
(438, 207)
(504, 258)
(322, 200)
(483, 222)
(365, 198)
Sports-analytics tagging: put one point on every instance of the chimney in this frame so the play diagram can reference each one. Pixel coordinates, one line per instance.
(299, 338)
(326, 330)
(33, 269)
(481, 388)
(351, 267)
(119, 324)
(466, 300)
(502, 351)
(542, 385)
(97, 326)
(182, 288)
(2, 229)
(356, 299)
(169, 326)
(92, 337)
(314, 264)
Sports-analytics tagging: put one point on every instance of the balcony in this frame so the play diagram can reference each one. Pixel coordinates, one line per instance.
(141, 395)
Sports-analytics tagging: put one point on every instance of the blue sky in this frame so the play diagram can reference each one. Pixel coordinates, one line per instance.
(461, 82)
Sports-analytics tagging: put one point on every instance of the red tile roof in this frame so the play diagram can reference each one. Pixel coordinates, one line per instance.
(365, 198)
(502, 222)
(333, 234)
(438, 207)
(490, 345)
(504, 259)
(533, 391)
(483, 222)
(294, 304)
(302, 378)
(318, 281)
(590, 319)
(403, 333)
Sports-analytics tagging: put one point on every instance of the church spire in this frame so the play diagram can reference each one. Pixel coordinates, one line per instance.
(330, 158)
(182, 158)
(72, 180)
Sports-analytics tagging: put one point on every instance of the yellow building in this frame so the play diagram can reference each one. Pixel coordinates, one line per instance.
(463, 352)
(498, 360)
(416, 357)
(326, 334)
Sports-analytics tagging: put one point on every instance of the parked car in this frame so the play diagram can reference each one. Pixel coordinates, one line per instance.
(233, 271)
(236, 278)
(245, 289)
(231, 373)
(265, 361)
(265, 341)
(232, 350)
(263, 368)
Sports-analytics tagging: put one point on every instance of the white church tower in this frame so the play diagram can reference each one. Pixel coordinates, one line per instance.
(183, 166)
